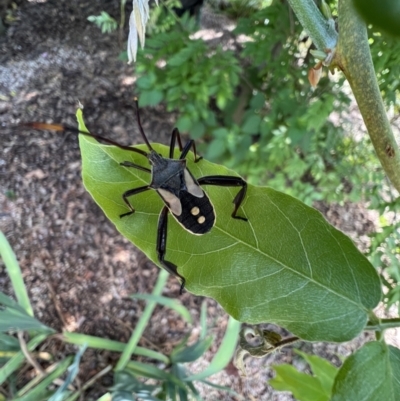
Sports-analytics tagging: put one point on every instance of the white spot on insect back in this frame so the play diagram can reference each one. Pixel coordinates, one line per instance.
(195, 211)
(173, 203)
(192, 187)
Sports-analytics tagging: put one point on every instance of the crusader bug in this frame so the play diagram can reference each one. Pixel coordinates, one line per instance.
(180, 191)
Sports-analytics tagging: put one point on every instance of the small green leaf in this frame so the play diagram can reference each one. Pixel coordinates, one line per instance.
(285, 265)
(197, 130)
(184, 123)
(151, 98)
(216, 148)
(371, 374)
(324, 371)
(145, 82)
(303, 387)
(252, 124)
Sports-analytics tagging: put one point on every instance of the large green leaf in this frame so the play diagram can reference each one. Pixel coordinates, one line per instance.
(286, 265)
(371, 374)
(384, 14)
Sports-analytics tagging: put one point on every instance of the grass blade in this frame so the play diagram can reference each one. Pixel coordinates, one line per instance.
(14, 272)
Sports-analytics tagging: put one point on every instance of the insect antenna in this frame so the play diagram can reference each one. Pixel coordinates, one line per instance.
(64, 128)
(146, 141)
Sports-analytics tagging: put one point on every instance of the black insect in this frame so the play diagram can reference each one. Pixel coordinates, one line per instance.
(180, 191)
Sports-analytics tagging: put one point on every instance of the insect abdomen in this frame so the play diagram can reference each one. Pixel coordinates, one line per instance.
(197, 215)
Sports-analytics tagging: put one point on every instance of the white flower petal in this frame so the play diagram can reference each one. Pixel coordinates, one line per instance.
(137, 27)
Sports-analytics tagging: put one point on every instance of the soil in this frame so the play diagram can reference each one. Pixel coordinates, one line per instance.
(79, 271)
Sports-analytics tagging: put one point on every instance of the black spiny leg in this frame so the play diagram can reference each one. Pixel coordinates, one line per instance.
(134, 191)
(228, 181)
(129, 193)
(184, 150)
(161, 247)
(133, 165)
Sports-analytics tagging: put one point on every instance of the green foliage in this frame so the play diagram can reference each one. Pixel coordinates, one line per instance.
(371, 374)
(306, 387)
(384, 14)
(276, 264)
(173, 380)
(162, 18)
(276, 129)
(189, 78)
(384, 251)
(104, 21)
(385, 53)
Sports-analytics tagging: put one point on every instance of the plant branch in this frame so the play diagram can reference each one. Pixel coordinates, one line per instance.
(353, 57)
(321, 31)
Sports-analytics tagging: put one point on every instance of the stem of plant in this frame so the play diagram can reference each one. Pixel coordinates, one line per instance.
(353, 57)
(383, 324)
(321, 32)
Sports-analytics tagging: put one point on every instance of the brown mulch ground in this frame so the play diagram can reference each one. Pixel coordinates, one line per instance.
(78, 270)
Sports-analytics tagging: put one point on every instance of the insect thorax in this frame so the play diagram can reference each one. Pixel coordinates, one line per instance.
(166, 171)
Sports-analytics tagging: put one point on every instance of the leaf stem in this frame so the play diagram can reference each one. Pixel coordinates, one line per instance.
(383, 324)
(353, 57)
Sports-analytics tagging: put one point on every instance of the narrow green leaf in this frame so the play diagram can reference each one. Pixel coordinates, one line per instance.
(111, 345)
(285, 265)
(173, 304)
(191, 352)
(18, 359)
(126, 385)
(224, 353)
(8, 343)
(371, 374)
(152, 372)
(13, 320)
(73, 371)
(142, 323)
(14, 317)
(15, 274)
(39, 390)
(303, 387)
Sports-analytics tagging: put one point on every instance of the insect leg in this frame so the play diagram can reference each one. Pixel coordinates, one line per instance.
(184, 150)
(130, 164)
(228, 181)
(67, 128)
(129, 193)
(161, 247)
